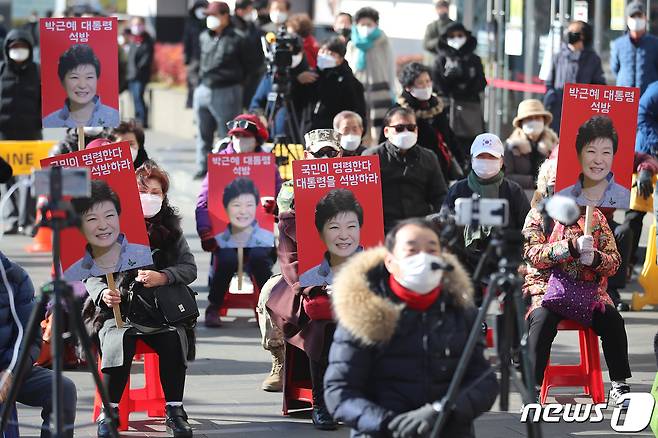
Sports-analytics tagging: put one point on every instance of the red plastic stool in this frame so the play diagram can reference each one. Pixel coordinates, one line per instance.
(297, 392)
(149, 399)
(241, 300)
(586, 374)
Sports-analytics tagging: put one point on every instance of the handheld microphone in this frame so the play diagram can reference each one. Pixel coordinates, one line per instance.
(562, 209)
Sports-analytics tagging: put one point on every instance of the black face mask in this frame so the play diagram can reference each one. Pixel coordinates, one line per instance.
(345, 32)
(573, 37)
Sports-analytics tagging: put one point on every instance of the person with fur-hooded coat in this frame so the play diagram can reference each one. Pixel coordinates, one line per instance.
(395, 350)
(531, 142)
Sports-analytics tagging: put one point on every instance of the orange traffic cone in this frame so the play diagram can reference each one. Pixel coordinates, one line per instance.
(43, 241)
(649, 276)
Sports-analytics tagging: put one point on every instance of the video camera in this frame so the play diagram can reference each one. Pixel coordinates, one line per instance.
(279, 49)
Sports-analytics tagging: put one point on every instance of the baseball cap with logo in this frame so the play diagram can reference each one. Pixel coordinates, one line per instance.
(487, 143)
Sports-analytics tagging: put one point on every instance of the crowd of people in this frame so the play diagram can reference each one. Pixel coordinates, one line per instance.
(383, 331)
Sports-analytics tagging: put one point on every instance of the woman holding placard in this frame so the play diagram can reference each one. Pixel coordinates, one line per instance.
(566, 278)
(174, 343)
(596, 145)
(79, 71)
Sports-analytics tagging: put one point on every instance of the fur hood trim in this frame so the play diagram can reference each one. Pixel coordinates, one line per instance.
(518, 142)
(372, 318)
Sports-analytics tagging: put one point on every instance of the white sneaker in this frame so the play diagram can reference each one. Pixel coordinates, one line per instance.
(615, 394)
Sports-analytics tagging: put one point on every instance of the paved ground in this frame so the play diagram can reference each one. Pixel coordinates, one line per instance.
(222, 392)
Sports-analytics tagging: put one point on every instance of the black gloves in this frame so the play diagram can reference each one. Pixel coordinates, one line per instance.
(645, 183)
(416, 423)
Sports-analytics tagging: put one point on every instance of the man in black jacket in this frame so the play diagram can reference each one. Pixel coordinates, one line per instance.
(412, 181)
(243, 20)
(387, 375)
(218, 99)
(336, 89)
(195, 23)
(488, 181)
(20, 110)
(140, 61)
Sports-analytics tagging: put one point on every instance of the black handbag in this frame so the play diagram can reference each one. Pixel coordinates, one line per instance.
(177, 304)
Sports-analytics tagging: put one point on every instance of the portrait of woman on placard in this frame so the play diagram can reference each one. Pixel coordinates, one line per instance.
(240, 200)
(338, 219)
(107, 250)
(596, 145)
(79, 71)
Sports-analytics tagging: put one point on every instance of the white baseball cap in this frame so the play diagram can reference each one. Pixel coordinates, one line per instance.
(489, 143)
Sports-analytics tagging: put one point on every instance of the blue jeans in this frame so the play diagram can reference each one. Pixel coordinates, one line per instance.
(37, 390)
(213, 108)
(137, 91)
(257, 263)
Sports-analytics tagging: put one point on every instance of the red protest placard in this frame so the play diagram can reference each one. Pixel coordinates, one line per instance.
(597, 144)
(79, 72)
(338, 210)
(112, 234)
(239, 184)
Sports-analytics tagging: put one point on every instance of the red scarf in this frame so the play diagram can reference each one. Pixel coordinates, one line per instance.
(413, 299)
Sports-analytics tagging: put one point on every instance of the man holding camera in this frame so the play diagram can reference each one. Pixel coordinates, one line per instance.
(487, 180)
(218, 98)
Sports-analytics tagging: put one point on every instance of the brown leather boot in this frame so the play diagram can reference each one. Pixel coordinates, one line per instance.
(274, 382)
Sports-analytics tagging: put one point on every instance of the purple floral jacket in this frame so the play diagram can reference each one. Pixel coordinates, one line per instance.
(203, 222)
(543, 253)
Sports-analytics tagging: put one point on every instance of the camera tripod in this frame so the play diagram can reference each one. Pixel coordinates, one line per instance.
(505, 284)
(278, 99)
(56, 215)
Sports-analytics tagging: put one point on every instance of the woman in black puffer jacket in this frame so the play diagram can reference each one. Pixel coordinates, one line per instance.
(401, 331)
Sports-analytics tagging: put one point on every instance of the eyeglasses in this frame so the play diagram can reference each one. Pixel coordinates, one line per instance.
(400, 128)
(325, 153)
(241, 124)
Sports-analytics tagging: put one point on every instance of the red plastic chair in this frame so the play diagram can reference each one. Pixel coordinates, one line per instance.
(149, 399)
(297, 392)
(241, 300)
(586, 374)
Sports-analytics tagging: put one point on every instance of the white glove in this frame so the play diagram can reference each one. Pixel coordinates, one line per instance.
(587, 258)
(585, 244)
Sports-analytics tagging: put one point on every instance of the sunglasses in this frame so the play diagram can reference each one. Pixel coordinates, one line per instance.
(400, 128)
(325, 153)
(241, 124)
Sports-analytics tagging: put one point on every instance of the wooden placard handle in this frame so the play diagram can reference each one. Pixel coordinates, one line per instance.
(117, 311)
(81, 138)
(240, 267)
(589, 212)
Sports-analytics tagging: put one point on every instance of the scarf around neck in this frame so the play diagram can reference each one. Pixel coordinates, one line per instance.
(486, 188)
(364, 44)
(414, 300)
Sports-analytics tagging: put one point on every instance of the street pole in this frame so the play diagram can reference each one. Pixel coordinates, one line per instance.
(599, 25)
(530, 44)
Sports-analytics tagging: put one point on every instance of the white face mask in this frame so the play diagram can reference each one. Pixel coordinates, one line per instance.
(213, 22)
(133, 153)
(404, 140)
(532, 127)
(151, 204)
(278, 17)
(421, 93)
(350, 142)
(326, 61)
(364, 31)
(456, 43)
(636, 24)
(418, 274)
(486, 169)
(243, 145)
(19, 54)
(253, 16)
(198, 13)
(297, 59)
